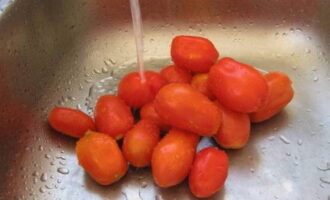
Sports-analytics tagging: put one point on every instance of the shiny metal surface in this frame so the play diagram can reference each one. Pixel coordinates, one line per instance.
(51, 52)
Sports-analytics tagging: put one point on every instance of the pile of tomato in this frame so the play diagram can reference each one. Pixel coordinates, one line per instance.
(198, 96)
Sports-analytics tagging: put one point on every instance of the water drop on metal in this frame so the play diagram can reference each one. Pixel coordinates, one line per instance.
(316, 78)
(42, 189)
(325, 180)
(63, 170)
(44, 177)
(284, 139)
(299, 142)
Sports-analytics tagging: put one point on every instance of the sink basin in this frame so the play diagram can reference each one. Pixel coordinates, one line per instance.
(55, 53)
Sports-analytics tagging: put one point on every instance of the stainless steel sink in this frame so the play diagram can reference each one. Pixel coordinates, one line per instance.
(53, 51)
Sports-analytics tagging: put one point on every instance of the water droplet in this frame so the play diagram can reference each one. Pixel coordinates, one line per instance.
(285, 140)
(71, 98)
(325, 180)
(144, 184)
(44, 177)
(78, 106)
(288, 154)
(325, 168)
(275, 129)
(296, 163)
(81, 87)
(271, 138)
(35, 180)
(63, 170)
(321, 124)
(294, 67)
(42, 189)
(88, 80)
(316, 78)
(60, 157)
(158, 197)
(299, 142)
(105, 70)
(41, 148)
(252, 170)
(52, 163)
(97, 71)
(59, 181)
(62, 163)
(308, 51)
(49, 186)
(35, 173)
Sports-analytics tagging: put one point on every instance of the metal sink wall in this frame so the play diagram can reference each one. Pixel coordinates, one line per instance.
(51, 52)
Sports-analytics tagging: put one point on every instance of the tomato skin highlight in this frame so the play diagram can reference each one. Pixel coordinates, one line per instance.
(200, 83)
(234, 132)
(197, 54)
(70, 122)
(139, 143)
(136, 93)
(238, 86)
(173, 157)
(280, 94)
(181, 106)
(148, 112)
(175, 74)
(101, 157)
(209, 172)
(113, 116)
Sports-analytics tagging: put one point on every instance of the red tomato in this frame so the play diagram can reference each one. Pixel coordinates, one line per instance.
(238, 86)
(199, 82)
(139, 143)
(137, 93)
(194, 53)
(183, 107)
(70, 122)
(280, 94)
(148, 112)
(101, 157)
(172, 157)
(175, 74)
(113, 116)
(235, 129)
(209, 172)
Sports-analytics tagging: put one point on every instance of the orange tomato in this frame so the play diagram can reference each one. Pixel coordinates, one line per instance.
(175, 74)
(101, 157)
(70, 122)
(181, 106)
(280, 94)
(209, 172)
(199, 82)
(139, 143)
(148, 112)
(173, 157)
(193, 53)
(235, 129)
(238, 86)
(113, 116)
(137, 93)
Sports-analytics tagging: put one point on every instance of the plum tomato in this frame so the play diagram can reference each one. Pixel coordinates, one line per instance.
(175, 74)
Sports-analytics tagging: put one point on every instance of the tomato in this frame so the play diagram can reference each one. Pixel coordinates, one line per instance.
(209, 172)
(175, 74)
(173, 157)
(199, 82)
(101, 157)
(235, 129)
(238, 86)
(113, 116)
(280, 94)
(194, 53)
(70, 122)
(139, 143)
(148, 112)
(137, 93)
(181, 106)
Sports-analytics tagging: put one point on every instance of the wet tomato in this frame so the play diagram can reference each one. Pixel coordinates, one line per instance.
(175, 74)
(200, 83)
(148, 112)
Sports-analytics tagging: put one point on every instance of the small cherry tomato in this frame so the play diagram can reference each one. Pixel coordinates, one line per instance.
(135, 92)
(235, 129)
(148, 112)
(70, 122)
(238, 86)
(173, 157)
(139, 143)
(199, 82)
(193, 53)
(101, 157)
(209, 172)
(113, 116)
(280, 94)
(175, 74)
(181, 106)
